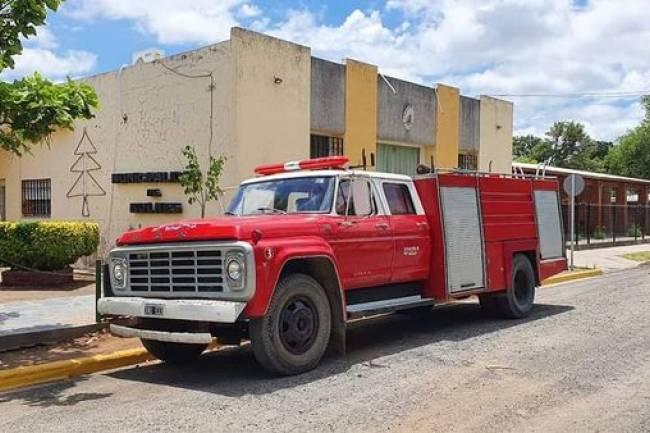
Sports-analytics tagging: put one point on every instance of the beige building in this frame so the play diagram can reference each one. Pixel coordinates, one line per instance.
(254, 99)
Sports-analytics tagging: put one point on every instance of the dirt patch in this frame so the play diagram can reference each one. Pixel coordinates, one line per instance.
(93, 344)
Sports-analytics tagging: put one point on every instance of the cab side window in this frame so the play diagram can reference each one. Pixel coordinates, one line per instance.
(347, 192)
(399, 198)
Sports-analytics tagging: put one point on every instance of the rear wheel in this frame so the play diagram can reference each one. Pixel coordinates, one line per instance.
(174, 353)
(292, 337)
(518, 300)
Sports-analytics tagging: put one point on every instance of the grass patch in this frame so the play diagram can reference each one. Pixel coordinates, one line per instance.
(641, 256)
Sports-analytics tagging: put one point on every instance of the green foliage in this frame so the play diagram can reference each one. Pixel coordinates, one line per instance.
(33, 107)
(199, 187)
(631, 156)
(633, 230)
(47, 246)
(19, 19)
(600, 233)
(566, 144)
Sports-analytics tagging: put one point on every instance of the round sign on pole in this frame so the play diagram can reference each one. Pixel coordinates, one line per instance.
(574, 187)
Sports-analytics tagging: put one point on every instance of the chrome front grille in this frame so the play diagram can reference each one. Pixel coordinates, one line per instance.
(193, 272)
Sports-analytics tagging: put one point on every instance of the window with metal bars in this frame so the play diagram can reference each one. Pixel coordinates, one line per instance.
(467, 161)
(37, 198)
(323, 145)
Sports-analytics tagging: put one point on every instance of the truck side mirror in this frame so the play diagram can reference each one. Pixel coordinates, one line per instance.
(361, 197)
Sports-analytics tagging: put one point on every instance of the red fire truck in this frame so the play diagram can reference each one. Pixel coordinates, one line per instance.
(307, 246)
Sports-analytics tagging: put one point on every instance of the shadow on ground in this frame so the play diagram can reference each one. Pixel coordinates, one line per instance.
(234, 371)
(54, 395)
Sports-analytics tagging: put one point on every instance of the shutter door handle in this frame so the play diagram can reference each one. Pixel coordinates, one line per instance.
(382, 226)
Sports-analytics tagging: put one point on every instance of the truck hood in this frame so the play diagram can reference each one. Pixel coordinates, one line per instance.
(224, 228)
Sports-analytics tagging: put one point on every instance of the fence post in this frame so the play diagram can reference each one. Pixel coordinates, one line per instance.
(614, 225)
(98, 288)
(588, 224)
(636, 225)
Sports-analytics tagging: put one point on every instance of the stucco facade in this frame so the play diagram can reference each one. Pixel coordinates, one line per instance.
(254, 99)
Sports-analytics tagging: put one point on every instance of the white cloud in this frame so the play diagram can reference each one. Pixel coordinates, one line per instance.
(52, 65)
(503, 46)
(482, 46)
(169, 21)
(40, 55)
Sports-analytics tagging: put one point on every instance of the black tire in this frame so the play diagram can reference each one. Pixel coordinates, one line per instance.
(293, 335)
(518, 300)
(174, 353)
(489, 304)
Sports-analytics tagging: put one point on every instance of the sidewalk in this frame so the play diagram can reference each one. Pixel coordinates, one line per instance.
(34, 317)
(608, 259)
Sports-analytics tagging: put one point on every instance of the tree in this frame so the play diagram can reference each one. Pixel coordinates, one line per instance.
(530, 148)
(631, 155)
(198, 187)
(32, 108)
(569, 140)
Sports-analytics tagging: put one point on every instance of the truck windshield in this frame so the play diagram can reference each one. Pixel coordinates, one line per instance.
(284, 196)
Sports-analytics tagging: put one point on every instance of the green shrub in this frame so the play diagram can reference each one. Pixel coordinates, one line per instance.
(633, 230)
(600, 233)
(46, 246)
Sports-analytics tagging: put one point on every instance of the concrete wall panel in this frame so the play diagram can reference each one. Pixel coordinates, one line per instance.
(391, 108)
(327, 97)
(469, 124)
(360, 111)
(447, 131)
(496, 135)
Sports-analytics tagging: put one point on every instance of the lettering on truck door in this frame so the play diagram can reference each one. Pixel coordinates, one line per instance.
(410, 233)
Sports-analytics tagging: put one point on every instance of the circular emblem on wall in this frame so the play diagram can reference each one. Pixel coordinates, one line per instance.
(408, 116)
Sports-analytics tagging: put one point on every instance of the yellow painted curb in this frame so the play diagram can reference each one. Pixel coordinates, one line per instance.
(578, 275)
(34, 374)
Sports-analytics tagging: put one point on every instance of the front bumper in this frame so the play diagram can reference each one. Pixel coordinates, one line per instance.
(200, 310)
(167, 337)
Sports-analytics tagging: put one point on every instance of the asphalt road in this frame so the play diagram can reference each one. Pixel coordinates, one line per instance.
(581, 363)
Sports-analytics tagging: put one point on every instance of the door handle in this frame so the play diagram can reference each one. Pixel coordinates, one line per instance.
(382, 226)
(347, 223)
(422, 224)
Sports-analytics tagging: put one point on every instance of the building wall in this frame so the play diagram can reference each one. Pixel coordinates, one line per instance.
(448, 130)
(469, 125)
(327, 97)
(405, 98)
(495, 150)
(272, 100)
(148, 114)
(360, 111)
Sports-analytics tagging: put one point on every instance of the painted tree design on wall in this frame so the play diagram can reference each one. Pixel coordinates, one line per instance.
(86, 185)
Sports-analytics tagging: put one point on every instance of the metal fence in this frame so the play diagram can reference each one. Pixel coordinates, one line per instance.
(608, 224)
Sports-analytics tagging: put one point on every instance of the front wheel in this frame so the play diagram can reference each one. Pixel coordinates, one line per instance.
(293, 335)
(174, 353)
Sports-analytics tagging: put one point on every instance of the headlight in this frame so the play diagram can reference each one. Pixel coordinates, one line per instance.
(119, 271)
(235, 271)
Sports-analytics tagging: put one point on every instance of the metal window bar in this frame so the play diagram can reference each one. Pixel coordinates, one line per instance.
(323, 145)
(467, 161)
(36, 198)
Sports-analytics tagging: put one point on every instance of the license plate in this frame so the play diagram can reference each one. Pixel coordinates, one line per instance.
(153, 310)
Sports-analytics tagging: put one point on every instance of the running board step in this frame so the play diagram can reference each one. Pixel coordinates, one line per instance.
(387, 306)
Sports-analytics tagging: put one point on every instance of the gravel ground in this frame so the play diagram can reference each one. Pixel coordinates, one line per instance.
(580, 363)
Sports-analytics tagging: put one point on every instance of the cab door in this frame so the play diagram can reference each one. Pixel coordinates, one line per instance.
(410, 232)
(361, 238)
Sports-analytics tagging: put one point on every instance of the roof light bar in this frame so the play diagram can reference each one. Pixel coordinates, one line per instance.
(328, 162)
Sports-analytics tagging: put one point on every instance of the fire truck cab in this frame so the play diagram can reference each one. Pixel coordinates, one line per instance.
(307, 246)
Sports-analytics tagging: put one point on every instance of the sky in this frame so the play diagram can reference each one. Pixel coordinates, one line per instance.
(564, 48)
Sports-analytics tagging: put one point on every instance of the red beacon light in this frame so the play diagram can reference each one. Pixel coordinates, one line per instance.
(328, 162)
